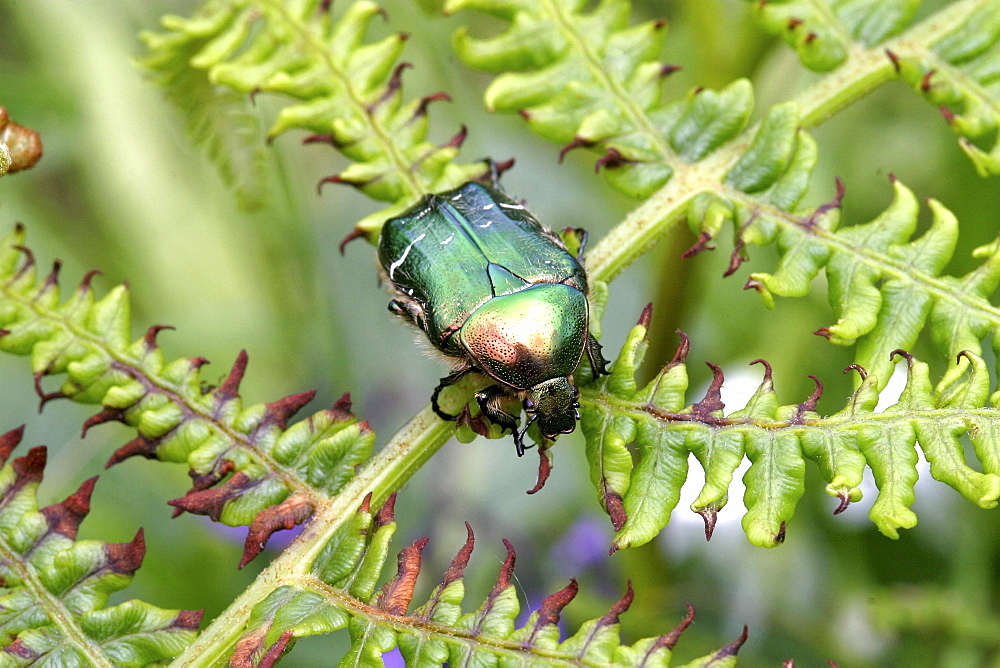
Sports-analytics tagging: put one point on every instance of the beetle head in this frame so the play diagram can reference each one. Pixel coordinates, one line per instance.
(553, 402)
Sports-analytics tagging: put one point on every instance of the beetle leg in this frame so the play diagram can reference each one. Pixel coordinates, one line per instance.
(582, 236)
(396, 307)
(409, 309)
(597, 361)
(519, 437)
(450, 379)
(566, 241)
(488, 399)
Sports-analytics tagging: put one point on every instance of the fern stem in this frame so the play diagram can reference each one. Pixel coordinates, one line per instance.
(402, 456)
(636, 409)
(866, 69)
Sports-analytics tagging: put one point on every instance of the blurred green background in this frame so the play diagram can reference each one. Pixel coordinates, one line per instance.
(121, 189)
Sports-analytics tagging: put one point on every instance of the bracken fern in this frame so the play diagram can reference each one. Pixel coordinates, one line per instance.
(583, 78)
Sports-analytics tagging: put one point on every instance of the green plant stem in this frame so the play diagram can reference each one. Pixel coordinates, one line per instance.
(866, 69)
(401, 457)
(863, 71)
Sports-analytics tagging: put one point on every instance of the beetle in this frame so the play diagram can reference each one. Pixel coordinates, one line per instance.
(499, 294)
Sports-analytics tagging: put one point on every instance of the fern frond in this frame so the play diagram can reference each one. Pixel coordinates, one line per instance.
(885, 287)
(217, 117)
(958, 74)
(593, 81)
(824, 33)
(345, 90)
(247, 464)
(951, 63)
(779, 440)
(58, 586)
(341, 593)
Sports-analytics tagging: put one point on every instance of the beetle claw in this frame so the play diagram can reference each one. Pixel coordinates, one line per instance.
(519, 436)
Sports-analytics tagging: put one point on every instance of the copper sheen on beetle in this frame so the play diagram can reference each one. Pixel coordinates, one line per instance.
(501, 295)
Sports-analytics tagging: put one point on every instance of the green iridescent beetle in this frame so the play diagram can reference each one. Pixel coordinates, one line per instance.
(499, 293)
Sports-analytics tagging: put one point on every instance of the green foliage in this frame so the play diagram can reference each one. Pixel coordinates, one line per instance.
(778, 440)
(823, 33)
(582, 79)
(58, 586)
(593, 81)
(344, 89)
(885, 289)
(271, 476)
(958, 74)
(954, 68)
(341, 594)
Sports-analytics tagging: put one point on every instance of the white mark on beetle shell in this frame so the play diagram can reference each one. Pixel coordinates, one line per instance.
(457, 197)
(487, 207)
(447, 241)
(511, 206)
(406, 251)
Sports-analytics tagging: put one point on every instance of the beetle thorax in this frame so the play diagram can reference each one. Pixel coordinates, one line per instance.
(529, 336)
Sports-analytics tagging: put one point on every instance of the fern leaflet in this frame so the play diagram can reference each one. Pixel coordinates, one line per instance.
(247, 465)
(778, 440)
(341, 593)
(58, 586)
(951, 63)
(346, 91)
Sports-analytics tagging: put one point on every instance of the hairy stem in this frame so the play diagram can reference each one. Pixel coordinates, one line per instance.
(386, 472)
(864, 71)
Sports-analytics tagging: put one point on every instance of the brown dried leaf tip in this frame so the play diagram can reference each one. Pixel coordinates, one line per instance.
(619, 608)
(845, 501)
(544, 469)
(456, 570)
(616, 508)
(24, 144)
(275, 651)
(683, 349)
(713, 396)
(612, 159)
(65, 518)
(669, 640)
(809, 405)
(646, 316)
(835, 203)
(396, 594)
(210, 502)
(578, 142)
(252, 650)
(703, 243)
(126, 558)
(733, 648)
(552, 606)
(286, 515)
(710, 515)
(8, 442)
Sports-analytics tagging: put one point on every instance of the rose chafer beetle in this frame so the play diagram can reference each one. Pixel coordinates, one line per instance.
(499, 293)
